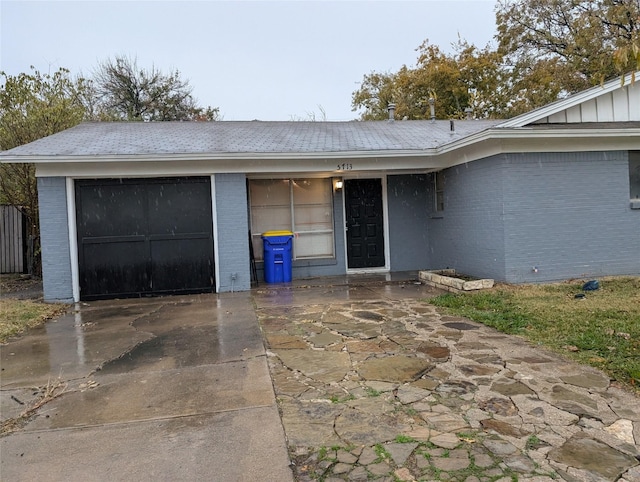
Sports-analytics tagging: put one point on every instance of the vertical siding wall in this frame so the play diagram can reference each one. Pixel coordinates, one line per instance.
(469, 234)
(232, 242)
(12, 240)
(407, 200)
(568, 214)
(54, 239)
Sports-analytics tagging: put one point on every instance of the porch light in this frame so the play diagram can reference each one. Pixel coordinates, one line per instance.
(337, 184)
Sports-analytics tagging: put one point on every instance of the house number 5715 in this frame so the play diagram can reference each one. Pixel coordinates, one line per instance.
(345, 166)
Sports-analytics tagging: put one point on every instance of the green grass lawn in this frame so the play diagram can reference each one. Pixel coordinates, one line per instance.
(17, 316)
(602, 329)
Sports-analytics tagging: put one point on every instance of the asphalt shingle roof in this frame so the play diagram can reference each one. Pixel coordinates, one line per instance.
(162, 138)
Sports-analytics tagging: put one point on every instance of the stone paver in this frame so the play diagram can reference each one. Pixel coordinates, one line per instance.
(403, 392)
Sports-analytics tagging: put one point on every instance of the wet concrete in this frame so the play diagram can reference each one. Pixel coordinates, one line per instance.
(373, 383)
(161, 388)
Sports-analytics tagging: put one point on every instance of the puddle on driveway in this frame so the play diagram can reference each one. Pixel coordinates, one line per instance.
(188, 346)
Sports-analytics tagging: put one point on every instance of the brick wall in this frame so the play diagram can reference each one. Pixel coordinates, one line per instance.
(408, 201)
(232, 232)
(54, 239)
(468, 235)
(568, 214)
(537, 217)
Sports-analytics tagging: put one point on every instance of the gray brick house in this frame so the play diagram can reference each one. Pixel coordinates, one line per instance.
(130, 209)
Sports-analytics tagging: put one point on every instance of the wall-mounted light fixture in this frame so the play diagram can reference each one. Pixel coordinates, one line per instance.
(337, 184)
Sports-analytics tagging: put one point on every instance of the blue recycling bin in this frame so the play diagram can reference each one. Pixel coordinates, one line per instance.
(277, 256)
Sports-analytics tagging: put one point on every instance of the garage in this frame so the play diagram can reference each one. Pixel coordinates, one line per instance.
(144, 237)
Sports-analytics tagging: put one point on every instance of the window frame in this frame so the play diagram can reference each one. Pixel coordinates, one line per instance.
(330, 230)
(634, 175)
(438, 191)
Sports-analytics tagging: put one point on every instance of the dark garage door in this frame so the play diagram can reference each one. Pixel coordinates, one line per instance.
(140, 237)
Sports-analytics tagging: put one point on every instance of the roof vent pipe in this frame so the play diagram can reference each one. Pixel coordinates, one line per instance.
(392, 111)
(432, 108)
(469, 112)
(452, 127)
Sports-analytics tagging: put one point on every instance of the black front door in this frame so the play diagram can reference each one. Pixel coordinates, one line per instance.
(365, 233)
(144, 236)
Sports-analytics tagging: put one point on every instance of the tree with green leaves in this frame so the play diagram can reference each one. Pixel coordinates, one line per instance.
(124, 91)
(470, 78)
(546, 49)
(579, 43)
(34, 105)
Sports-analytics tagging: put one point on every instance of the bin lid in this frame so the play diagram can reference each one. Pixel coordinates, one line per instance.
(268, 234)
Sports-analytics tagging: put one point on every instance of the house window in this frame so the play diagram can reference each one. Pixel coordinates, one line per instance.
(438, 189)
(634, 175)
(303, 206)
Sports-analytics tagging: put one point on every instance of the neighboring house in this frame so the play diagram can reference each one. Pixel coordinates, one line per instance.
(130, 209)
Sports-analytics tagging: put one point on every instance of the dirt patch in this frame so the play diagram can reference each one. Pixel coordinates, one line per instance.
(21, 286)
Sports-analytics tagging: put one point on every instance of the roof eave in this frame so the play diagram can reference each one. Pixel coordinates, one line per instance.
(571, 101)
(213, 156)
(464, 143)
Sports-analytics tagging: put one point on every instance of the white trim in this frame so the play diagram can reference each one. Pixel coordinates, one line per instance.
(540, 131)
(214, 220)
(385, 222)
(569, 140)
(344, 224)
(329, 156)
(73, 238)
(367, 270)
(190, 167)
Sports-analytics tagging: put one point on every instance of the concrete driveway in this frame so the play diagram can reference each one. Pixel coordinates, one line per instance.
(173, 388)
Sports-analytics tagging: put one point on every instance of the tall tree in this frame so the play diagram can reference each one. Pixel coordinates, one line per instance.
(470, 78)
(578, 42)
(32, 106)
(36, 105)
(546, 49)
(128, 92)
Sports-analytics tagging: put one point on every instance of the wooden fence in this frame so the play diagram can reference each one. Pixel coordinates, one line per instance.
(13, 242)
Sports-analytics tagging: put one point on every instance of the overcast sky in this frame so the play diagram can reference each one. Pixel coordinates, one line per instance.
(267, 60)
